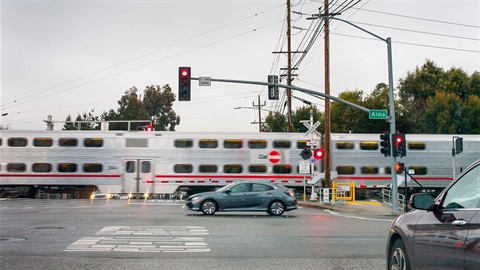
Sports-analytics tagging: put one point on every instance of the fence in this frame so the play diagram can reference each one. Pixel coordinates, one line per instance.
(388, 200)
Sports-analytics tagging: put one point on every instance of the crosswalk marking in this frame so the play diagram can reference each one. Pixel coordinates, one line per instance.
(145, 239)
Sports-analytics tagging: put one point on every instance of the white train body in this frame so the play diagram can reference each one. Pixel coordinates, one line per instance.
(79, 162)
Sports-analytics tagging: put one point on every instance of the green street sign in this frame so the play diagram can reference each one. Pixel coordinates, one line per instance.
(377, 114)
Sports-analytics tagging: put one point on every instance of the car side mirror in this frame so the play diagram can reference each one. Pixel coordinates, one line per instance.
(422, 201)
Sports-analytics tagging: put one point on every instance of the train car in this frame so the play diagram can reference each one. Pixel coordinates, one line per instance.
(429, 161)
(78, 163)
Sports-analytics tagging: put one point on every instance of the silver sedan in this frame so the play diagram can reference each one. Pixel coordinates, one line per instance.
(273, 198)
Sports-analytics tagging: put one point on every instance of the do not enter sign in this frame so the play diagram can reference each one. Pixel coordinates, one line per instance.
(274, 157)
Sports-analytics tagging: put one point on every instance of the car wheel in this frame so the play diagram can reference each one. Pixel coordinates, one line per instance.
(209, 207)
(398, 257)
(276, 208)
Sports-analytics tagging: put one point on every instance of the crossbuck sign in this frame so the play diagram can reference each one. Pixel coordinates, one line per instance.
(312, 129)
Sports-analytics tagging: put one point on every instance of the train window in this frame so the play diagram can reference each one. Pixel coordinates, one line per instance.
(205, 143)
(232, 143)
(42, 167)
(417, 145)
(257, 144)
(282, 169)
(345, 145)
(92, 167)
(67, 167)
(43, 142)
(418, 170)
(232, 168)
(93, 142)
(183, 143)
(0, 141)
(388, 170)
(16, 167)
(208, 168)
(183, 168)
(146, 166)
(346, 170)
(130, 167)
(370, 170)
(369, 145)
(68, 142)
(302, 144)
(282, 144)
(17, 142)
(257, 168)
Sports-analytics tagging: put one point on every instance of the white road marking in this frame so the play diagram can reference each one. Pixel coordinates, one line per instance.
(144, 239)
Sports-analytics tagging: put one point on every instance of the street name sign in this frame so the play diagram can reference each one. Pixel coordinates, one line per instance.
(377, 114)
(204, 81)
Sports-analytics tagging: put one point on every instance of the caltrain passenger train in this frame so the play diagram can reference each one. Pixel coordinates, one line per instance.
(139, 162)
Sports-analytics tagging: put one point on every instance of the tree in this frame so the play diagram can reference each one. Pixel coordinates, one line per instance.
(86, 121)
(345, 119)
(155, 106)
(415, 89)
(275, 122)
(303, 113)
(443, 113)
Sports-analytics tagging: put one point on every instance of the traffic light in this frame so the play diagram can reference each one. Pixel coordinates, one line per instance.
(399, 167)
(272, 89)
(184, 84)
(399, 145)
(319, 153)
(306, 153)
(385, 144)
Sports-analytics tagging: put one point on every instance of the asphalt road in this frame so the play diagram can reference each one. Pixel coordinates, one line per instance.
(80, 234)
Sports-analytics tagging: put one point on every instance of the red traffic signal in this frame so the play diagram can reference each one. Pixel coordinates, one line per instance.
(184, 83)
(319, 153)
(399, 145)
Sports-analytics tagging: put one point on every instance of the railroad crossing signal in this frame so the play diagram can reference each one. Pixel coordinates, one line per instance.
(306, 154)
(184, 83)
(399, 145)
(319, 153)
(385, 144)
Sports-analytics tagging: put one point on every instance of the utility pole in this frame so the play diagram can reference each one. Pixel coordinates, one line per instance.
(259, 113)
(289, 72)
(327, 92)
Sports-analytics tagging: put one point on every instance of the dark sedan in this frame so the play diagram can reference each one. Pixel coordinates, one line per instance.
(245, 196)
(441, 233)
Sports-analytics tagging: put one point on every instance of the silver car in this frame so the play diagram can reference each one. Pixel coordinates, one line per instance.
(245, 196)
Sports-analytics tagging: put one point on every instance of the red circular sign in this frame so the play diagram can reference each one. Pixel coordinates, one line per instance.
(274, 157)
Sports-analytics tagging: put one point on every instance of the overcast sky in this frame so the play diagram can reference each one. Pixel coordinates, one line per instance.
(61, 57)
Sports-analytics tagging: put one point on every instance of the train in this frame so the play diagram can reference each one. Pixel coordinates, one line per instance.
(148, 163)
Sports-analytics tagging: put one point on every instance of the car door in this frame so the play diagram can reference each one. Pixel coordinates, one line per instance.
(472, 250)
(235, 197)
(440, 239)
(260, 195)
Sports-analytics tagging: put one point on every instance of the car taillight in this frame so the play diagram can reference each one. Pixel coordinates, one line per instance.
(290, 193)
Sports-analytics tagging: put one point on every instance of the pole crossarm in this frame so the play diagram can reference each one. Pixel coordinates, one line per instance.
(304, 90)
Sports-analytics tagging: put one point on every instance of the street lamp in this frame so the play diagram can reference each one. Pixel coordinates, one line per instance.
(391, 118)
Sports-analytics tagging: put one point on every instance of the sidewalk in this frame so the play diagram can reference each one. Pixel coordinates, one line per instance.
(358, 207)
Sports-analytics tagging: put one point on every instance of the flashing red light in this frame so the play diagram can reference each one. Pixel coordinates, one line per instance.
(319, 153)
(149, 128)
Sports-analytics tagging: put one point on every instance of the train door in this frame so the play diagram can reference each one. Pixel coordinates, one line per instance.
(138, 175)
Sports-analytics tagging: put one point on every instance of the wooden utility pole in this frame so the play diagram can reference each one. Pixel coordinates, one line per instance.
(289, 72)
(259, 113)
(327, 92)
